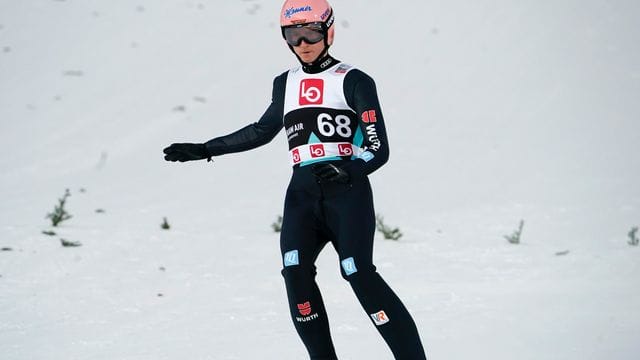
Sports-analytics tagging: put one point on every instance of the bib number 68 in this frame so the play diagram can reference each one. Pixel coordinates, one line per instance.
(327, 128)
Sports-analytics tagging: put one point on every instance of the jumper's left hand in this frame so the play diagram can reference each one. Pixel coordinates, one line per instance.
(330, 172)
(186, 152)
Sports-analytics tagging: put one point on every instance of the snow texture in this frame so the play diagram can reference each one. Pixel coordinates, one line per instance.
(497, 111)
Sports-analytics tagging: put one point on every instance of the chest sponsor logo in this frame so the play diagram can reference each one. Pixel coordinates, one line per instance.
(380, 318)
(311, 92)
(317, 150)
(345, 149)
(293, 131)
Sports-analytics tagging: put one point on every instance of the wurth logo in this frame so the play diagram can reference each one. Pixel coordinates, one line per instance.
(311, 91)
(305, 309)
(373, 138)
(369, 116)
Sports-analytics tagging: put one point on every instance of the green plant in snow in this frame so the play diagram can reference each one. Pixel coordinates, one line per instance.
(165, 224)
(388, 232)
(67, 243)
(633, 238)
(277, 225)
(515, 237)
(59, 213)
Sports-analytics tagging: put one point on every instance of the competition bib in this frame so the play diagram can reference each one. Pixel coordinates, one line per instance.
(319, 124)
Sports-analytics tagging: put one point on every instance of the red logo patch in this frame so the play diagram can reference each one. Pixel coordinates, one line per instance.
(311, 91)
(316, 150)
(369, 116)
(296, 156)
(345, 149)
(305, 309)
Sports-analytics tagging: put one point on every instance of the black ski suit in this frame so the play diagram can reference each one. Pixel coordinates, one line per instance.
(332, 115)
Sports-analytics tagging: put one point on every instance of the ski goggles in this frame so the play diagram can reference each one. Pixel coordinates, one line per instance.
(311, 33)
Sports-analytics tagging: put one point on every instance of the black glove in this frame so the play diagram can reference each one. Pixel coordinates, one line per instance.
(186, 152)
(330, 172)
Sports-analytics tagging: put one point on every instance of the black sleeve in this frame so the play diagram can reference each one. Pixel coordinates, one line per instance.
(362, 97)
(258, 133)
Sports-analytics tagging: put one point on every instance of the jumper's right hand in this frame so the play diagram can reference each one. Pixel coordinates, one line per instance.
(186, 152)
(330, 172)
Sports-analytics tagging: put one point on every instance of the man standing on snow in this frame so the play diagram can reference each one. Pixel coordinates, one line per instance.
(337, 137)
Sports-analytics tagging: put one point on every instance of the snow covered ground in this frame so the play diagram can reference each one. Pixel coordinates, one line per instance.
(497, 111)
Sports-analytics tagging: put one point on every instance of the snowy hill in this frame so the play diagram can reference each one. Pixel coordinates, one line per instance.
(497, 111)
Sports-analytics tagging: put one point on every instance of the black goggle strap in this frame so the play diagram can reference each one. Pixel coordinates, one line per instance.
(330, 21)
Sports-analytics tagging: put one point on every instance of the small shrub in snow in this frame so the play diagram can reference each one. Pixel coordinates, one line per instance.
(633, 238)
(49, 233)
(515, 237)
(277, 225)
(59, 213)
(6, 249)
(388, 232)
(165, 224)
(67, 243)
(76, 73)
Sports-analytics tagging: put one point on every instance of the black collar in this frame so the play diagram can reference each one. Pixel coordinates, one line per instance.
(320, 65)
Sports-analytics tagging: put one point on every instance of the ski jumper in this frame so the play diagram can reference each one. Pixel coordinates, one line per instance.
(331, 114)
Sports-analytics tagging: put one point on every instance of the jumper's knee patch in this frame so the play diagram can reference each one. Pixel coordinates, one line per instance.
(354, 271)
(349, 266)
(291, 258)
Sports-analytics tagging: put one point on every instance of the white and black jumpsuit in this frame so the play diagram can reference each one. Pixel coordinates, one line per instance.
(331, 113)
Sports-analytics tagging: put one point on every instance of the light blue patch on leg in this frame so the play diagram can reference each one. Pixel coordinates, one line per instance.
(291, 258)
(349, 266)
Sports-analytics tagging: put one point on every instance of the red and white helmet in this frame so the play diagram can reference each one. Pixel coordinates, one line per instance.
(295, 12)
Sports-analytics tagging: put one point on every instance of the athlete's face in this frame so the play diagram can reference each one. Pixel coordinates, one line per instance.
(308, 53)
